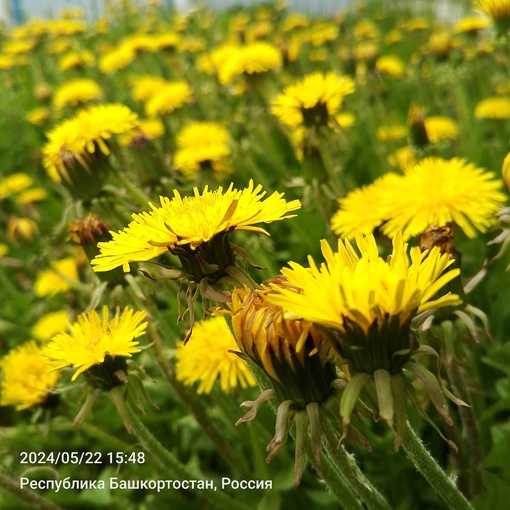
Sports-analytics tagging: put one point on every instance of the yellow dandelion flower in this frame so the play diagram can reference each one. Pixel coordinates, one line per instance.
(8, 62)
(76, 92)
(390, 66)
(393, 36)
(254, 58)
(440, 44)
(211, 62)
(356, 215)
(32, 195)
(293, 21)
(365, 29)
(391, 133)
(402, 157)
(365, 289)
(18, 47)
(76, 59)
(37, 116)
(505, 171)
(415, 24)
(139, 42)
(441, 128)
(13, 184)
(471, 24)
(166, 41)
(143, 87)
(57, 279)
(321, 33)
(4, 250)
(96, 340)
(498, 10)
(366, 52)
(21, 228)
(493, 108)
(75, 140)
(191, 221)
(202, 143)
(119, 58)
(435, 191)
(168, 97)
(51, 324)
(207, 357)
(368, 304)
(146, 130)
(27, 378)
(345, 120)
(315, 100)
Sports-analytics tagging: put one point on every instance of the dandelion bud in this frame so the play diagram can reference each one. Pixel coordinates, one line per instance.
(416, 123)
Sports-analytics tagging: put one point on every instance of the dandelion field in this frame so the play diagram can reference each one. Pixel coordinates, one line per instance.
(256, 259)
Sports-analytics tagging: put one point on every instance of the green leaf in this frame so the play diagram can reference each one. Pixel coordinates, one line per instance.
(495, 496)
(351, 394)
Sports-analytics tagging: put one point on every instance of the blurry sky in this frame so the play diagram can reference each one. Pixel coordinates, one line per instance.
(94, 8)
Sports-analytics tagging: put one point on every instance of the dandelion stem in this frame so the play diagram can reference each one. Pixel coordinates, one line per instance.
(27, 495)
(432, 471)
(347, 466)
(133, 190)
(336, 482)
(164, 458)
(474, 480)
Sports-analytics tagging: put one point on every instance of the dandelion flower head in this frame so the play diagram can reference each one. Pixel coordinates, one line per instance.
(191, 221)
(168, 97)
(207, 357)
(93, 337)
(57, 279)
(51, 324)
(254, 58)
(314, 100)
(433, 191)
(201, 142)
(441, 128)
(493, 108)
(365, 289)
(76, 92)
(27, 377)
(77, 138)
(498, 10)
